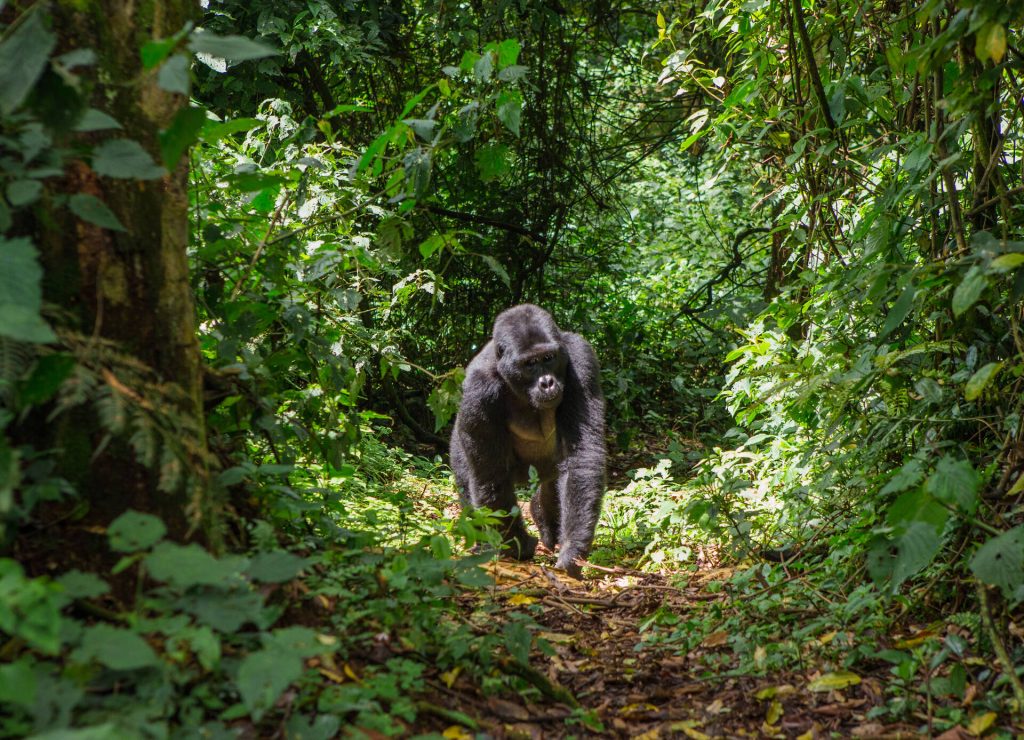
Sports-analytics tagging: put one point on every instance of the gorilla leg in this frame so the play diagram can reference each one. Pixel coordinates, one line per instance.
(544, 508)
(581, 492)
(501, 496)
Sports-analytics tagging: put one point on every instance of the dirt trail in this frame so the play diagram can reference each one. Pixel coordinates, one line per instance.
(636, 690)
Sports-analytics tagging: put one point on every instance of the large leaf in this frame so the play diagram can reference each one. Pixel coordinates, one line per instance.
(23, 57)
(510, 110)
(969, 290)
(1000, 562)
(262, 677)
(899, 310)
(191, 565)
(134, 531)
(116, 648)
(21, 296)
(955, 482)
(181, 134)
(125, 159)
(92, 209)
(906, 554)
(232, 48)
(980, 380)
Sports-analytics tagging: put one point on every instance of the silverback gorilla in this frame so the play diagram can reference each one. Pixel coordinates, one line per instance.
(532, 397)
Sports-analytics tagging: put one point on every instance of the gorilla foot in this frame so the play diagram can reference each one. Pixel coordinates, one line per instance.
(567, 562)
(522, 548)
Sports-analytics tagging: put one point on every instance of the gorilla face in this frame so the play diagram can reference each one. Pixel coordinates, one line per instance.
(531, 359)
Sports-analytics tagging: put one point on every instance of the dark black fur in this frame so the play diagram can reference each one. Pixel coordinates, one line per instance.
(532, 396)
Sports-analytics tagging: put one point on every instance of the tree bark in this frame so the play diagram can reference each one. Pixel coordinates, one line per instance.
(129, 287)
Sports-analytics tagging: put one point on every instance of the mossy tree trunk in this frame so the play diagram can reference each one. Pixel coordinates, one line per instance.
(130, 287)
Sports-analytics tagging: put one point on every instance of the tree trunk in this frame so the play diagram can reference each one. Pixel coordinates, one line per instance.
(128, 287)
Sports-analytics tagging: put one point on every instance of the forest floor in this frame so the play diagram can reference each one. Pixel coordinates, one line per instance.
(628, 688)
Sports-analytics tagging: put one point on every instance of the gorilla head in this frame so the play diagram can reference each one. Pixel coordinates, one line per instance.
(531, 360)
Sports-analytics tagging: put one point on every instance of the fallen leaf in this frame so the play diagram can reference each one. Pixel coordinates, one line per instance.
(634, 708)
(652, 734)
(715, 639)
(521, 600)
(715, 707)
(689, 728)
(774, 713)
(456, 733)
(828, 637)
(834, 681)
(981, 723)
(449, 676)
(772, 692)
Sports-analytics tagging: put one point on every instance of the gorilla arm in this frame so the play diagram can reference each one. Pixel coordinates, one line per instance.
(482, 451)
(581, 477)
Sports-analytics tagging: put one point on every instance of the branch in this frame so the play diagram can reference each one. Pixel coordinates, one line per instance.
(812, 66)
(497, 223)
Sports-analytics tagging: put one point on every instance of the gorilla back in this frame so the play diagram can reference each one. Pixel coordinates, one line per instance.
(532, 397)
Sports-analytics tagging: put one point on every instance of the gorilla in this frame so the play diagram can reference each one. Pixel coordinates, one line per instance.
(532, 397)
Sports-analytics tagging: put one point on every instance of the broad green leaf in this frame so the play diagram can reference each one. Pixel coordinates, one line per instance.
(469, 59)
(275, 566)
(930, 390)
(1000, 561)
(483, 68)
(899, 310)
(517, 641)
(96, 120)
(300, 641)
(232, 48)
(510, 110)
(24, 192)
(79, 585)
(508, 53)
(491, 161)
(834, 681)
(156, 50)
(225, 610)
(908, 475)
(955, 482)
(431, 244)
(174, 75)
(23, 57)
(214, 131)
(21, 296)
(917, 506)
(134, 531)
(905, 554)
(47, 376)
(1007, 262)
(980, 380)
(18, 684)
(969, 290)
(92, 209)
(181, 134)
(263, 675)
(117, 648)
(30, 608)
(126, 159)
(191, 565)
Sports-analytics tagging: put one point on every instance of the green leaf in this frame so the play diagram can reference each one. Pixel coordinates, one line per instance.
(980, 380)
(917, 506)
(276, 566)
(156, 50)
(492, 161)
(908, 475)
(955, 482)
(79, 585)
(262, 677)
(295, 640)
(483, 68)
(510, 110)
(46, 378)
(232, 48)
(224, 610)
(21, 296)
(899, 310)
(496, 268)
(23, 57)
(214, 131)
(134, 531)
(18, 684)
(92, 209)
(1007, 262)
(432, 244)
(990, 43)
(508, 53)
(181, 134)
(969, 290)
(517, 641)
(96, 120)
(191, 565)
(174, 75)
(117, 648)
(24, 192)
(915, 549)
(1000, 561)
(126, 159)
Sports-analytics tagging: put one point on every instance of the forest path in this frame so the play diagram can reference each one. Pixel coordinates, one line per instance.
(629, 685)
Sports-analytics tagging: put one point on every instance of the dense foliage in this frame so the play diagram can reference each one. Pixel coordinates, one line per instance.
(247, 252)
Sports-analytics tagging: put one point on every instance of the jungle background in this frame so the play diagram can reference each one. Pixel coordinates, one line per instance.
(248, 248)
